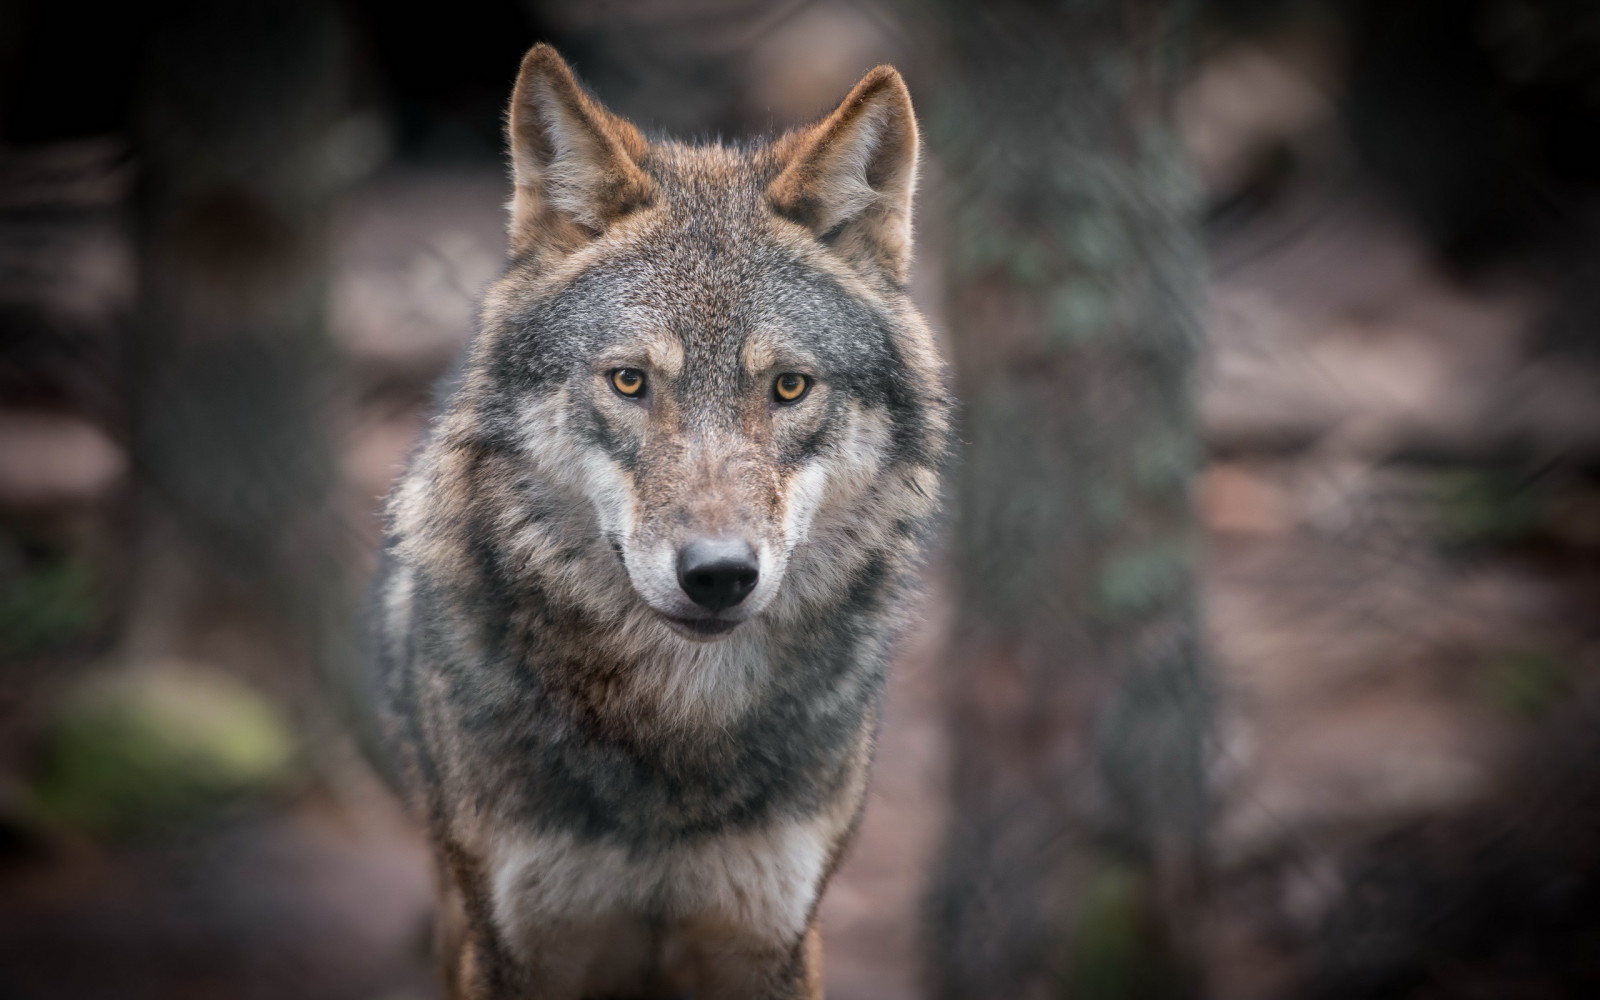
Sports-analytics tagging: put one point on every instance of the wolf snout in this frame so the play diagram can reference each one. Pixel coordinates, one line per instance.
(718, 573)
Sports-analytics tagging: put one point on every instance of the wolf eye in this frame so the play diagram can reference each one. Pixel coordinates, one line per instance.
(628, 381)
(790, 387)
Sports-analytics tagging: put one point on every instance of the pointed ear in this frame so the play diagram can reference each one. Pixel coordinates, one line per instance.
(850, 177)
(574, 164)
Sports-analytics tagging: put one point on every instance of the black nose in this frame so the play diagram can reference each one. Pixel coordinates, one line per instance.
(717, 573)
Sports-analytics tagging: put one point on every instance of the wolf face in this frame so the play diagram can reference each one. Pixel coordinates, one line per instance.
(710, 347)
(714, 417)
(720, 415)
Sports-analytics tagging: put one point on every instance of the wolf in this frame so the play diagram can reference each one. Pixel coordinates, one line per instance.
(643, 575)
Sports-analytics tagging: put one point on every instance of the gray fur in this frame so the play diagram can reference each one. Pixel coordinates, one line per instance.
(530, 686)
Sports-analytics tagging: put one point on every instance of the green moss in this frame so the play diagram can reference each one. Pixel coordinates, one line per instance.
(1116, 953)
(1486, 506)
(1166, 461)
(1527, 682)
(1134, 582)
(1029, 262)
(1078, 313)
(1097, 242)
(49, 604)
(126, 753)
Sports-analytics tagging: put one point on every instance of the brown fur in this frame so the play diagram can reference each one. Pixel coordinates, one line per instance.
(808, 190)
(616, 184)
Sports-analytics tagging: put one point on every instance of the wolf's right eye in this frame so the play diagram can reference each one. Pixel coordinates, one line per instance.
(628, 381)
(790, 386)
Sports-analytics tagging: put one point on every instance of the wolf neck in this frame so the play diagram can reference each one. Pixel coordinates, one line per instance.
(640, 673)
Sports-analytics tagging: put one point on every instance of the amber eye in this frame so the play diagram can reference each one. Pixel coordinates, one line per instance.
(790, 386)
(628, 381)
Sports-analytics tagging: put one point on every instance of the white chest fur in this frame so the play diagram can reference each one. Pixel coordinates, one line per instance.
(763, 881)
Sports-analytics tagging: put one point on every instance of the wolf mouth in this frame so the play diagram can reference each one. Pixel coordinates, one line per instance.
(701, 628)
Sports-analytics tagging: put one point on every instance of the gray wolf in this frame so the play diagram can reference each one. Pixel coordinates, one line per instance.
(643, 575)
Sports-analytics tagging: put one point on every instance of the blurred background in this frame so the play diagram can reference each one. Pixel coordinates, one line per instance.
(1282, 317)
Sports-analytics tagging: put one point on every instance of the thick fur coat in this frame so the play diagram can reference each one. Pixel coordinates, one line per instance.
(634, 789)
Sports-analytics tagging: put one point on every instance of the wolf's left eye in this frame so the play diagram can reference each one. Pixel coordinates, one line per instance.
(790, 387)
(628, 381)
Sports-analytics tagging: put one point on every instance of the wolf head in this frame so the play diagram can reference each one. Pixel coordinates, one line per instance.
(700, 394)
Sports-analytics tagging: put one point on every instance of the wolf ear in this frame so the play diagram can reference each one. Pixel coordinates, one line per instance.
(850, 177)
(574, 164)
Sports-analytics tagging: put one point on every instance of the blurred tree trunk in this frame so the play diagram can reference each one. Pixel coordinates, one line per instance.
(231, 362)
(1078, 696)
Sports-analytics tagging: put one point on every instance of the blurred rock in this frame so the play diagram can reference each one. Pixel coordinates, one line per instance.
(48, 458)
(414, 251)
(1237, 499)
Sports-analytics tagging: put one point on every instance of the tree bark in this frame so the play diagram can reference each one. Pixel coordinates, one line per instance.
(234, 374)
(1078, 696)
